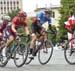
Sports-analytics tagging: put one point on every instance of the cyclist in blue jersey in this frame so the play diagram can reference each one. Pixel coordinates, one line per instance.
(36, 26)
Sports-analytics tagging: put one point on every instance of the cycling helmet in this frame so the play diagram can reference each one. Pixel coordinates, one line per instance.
(48, 10)
(22, 14)
(6, 17)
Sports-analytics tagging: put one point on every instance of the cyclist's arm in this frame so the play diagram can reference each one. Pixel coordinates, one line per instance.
(13, 28)
(50, 23)
(26, 30)
(50, 26)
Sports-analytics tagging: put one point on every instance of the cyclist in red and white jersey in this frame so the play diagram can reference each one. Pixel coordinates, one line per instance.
(17, 22)
(3, 24)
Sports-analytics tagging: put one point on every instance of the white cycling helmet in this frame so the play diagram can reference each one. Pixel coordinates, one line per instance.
(6, 17)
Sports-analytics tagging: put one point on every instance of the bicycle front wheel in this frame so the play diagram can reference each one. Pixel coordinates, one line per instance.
(4, 59)
(28, 61)
(20, 55)
(69, 52)
(45, 53)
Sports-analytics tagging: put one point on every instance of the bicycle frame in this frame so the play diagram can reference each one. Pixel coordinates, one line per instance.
(38, 47)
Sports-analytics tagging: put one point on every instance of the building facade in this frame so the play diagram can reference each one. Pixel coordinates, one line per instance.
(9, 5)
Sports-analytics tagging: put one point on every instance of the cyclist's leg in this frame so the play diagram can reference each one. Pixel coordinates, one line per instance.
(33, 37)
(43, 33)
(11, 37)
(9, 41)
(1, 37)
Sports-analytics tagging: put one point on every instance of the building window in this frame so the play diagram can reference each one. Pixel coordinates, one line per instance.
(53, 14)
(1, 2)
(7, 4)
(14, 8)
(11, 2)
(5, 10)
(4, 2)
(1, 8)
(11, 8)
(17, 2)
(8, 8)
(14, 2)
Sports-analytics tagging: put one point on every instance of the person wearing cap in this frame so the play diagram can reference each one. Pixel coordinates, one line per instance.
(12, 33)
(3, 24)
(36, 26)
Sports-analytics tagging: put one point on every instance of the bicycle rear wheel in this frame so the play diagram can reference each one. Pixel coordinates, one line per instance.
(28, 61)
(69, 52)
(20, 55)
(45, 53)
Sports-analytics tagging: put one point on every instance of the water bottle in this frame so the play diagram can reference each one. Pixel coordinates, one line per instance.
(36, 42)
(39, 43)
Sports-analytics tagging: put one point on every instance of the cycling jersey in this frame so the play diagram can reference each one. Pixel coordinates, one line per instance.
(17, 23)
(36, 26)
(2, 26)
(42, 18)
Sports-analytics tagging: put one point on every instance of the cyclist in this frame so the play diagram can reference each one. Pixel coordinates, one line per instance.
(36, 26)
(19, 20)
(3, 24)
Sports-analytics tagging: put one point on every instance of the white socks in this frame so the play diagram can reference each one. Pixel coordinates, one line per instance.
(4, 51)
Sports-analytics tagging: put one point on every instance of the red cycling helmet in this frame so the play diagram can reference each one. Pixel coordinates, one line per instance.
(22, 14)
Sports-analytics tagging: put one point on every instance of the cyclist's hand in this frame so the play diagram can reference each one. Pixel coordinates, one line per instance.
(16, 34)
(28, 38)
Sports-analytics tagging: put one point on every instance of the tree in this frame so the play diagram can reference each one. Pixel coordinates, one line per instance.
(66, 7)
(13, 13)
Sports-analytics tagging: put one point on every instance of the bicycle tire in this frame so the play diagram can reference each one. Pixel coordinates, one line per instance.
(17, 52)
(67, 48)
(39, 53)
(28, 61)
(4, 63)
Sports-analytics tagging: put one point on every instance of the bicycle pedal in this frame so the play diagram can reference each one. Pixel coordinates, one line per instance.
(13, 58)
(32, 58)
(45, 51)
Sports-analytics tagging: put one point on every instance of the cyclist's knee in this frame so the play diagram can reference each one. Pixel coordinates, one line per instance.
(11, 38)
(34, 37)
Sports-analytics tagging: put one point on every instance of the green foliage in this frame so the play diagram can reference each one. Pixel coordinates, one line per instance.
(13, 13)
(66, 7)
(52, 37)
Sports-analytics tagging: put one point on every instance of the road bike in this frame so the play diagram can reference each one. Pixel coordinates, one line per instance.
(16, 51)
(69, 51)
(44, 49)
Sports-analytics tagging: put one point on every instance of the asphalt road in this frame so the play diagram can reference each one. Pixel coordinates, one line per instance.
(57, 63)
